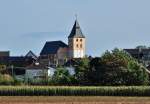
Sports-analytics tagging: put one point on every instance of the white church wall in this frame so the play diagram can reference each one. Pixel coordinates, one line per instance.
(78, 53)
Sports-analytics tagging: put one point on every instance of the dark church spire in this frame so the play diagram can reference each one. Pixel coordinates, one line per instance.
(76, 31)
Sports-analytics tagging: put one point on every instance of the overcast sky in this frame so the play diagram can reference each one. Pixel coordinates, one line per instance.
(27, 24)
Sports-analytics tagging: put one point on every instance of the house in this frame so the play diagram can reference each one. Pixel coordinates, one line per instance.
(3, 56)
(57, 52)
(142, 55)
(35, 71)
(16, 61)
(7, 60)
(4, 53)
(32, 72)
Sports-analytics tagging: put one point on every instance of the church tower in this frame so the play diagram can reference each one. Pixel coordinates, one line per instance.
(76, 42)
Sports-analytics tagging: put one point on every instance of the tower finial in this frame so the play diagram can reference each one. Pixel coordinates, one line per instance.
(76, 16)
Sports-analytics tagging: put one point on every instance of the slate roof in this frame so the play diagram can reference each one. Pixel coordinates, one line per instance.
(52, 47)
(16, 60)
(137, 51)
(76, 31)
(132, 51)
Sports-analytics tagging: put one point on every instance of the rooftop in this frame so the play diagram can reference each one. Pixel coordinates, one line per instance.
(76, 31)
(52, 47)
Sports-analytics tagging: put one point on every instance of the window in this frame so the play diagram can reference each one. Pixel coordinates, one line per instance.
(80, 45)
(80, 40)
(77, 40)
(77, 45)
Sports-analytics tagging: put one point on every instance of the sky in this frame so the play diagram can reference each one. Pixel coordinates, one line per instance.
(27, 24)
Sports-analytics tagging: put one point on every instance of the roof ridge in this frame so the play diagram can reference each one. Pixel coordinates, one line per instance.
(55, 41)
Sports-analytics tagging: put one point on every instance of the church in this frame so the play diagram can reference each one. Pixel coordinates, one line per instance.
(58, 53)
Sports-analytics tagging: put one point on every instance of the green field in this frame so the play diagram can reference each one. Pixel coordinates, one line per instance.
(74, 95)
(74, 91)
(73, 100)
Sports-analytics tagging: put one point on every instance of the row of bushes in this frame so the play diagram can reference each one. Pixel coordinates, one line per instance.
(73, 91)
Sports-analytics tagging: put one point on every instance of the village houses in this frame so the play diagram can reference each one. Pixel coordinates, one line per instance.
(54, 53)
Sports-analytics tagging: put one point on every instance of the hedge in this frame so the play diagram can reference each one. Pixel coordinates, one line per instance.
(74, 91)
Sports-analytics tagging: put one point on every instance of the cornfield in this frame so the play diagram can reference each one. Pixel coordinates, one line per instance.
(73, 91)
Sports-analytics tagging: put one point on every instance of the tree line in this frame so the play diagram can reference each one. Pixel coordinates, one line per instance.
(113, 68)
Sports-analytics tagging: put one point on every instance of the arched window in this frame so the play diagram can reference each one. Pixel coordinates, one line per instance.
(77, 40)
(80, 40)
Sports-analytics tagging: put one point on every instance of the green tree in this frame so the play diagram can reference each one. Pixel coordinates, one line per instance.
(136, 74)
(6, 79)
(117, 68)
(81, 70)
(63, 77)
(3, 69)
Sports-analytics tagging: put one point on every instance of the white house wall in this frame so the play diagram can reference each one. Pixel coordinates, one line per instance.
(31, 74)
(51, 71)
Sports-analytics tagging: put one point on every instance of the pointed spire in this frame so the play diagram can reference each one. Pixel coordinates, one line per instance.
(76, 31)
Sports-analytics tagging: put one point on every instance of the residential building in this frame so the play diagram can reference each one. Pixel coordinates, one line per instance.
(142, 55)
(7, 60)
(4, 53)
(35, 71)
